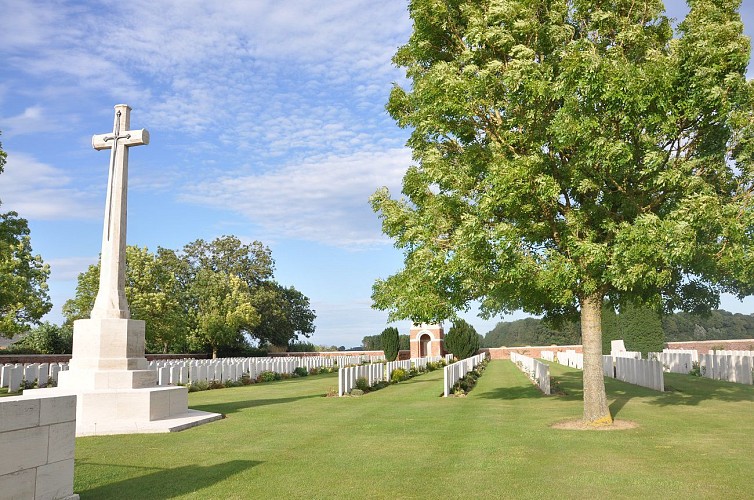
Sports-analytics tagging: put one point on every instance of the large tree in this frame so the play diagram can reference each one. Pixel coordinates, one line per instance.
(24, 297)
(173, 293)
(568, 152)
(223, 308)
(154, 293)
(285, 314)
(252, 262)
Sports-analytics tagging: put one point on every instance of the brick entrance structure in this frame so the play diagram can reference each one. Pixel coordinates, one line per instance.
(427, 340)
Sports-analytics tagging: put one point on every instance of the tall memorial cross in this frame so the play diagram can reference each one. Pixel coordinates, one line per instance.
(111, 297)
(117, 392)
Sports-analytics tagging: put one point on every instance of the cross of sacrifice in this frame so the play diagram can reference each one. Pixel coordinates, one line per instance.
(111, 296)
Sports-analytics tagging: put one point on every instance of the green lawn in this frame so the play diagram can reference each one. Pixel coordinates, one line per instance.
(284, 440)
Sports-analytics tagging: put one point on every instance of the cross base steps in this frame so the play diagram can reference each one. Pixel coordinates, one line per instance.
(133, 411)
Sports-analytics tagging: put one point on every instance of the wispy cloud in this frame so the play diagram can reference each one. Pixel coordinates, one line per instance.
(303, 46)
(324, 200)
(39, 191)
(32, 119)
(69, 268)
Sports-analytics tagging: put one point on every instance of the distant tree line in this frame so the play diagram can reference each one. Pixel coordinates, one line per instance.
(642, 329)
(218, 297)
(374, 342)
(531, 331)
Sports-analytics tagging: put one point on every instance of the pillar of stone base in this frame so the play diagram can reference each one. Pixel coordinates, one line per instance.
(108, 353)
(116, 392)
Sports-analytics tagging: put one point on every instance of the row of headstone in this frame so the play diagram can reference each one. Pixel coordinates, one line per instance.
(693, 352)
(733, 353)
(626, 354)
(456, 371)
(187, 371)
(641, 372)
(394, 365)
(421, 363)
(571, 358)
(674, 361)
(729, 367)
(547, 355)
(14, 376)
(537, 371)
(377, 372)
(348, 375)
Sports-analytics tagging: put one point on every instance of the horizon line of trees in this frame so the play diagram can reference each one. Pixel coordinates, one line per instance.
(637, 323)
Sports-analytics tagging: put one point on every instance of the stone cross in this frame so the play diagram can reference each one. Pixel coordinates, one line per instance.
(111, 297)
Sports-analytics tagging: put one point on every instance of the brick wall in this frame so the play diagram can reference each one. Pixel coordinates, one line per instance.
(531, 351)
(37, 442)
(705, 346)
(64, 358)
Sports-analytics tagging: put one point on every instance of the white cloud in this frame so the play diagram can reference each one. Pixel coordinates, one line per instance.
(69, 268)
(234, 68)
(39, 191)
(324, 200)
(32, 119)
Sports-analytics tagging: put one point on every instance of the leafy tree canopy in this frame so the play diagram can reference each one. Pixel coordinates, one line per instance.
(46, 338)
(285, 314)
(175, 292)
(24, 297)
(568, 152)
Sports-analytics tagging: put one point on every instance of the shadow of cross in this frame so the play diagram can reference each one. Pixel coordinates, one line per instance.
(164, 483)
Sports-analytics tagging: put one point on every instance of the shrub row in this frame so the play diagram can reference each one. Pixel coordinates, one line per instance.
(396, 376)
(467, 383)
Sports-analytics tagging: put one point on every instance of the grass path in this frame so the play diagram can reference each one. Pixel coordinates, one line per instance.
(285, 440)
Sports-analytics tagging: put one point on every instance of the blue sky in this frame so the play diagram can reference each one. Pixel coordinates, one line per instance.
(266, 119)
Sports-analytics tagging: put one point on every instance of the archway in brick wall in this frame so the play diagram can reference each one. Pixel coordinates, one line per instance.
(427, 340)
(424, 345)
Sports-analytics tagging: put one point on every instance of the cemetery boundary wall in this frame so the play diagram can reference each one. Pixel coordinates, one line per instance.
(64, 358)
(706, 346)
(530, 351)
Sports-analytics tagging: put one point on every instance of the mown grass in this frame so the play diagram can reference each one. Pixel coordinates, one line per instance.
(285, 440)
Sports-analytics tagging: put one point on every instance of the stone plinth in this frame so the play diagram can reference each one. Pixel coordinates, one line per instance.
(108, 353)
(37, 442)
(116, 392)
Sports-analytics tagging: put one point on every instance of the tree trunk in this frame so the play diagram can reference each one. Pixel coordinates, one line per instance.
(165, 348)
(596, 411)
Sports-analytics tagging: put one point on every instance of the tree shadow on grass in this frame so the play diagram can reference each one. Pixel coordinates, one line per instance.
(508, 393)
(234, 406)
(688, 390)
(165, 483)
(682, 390)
